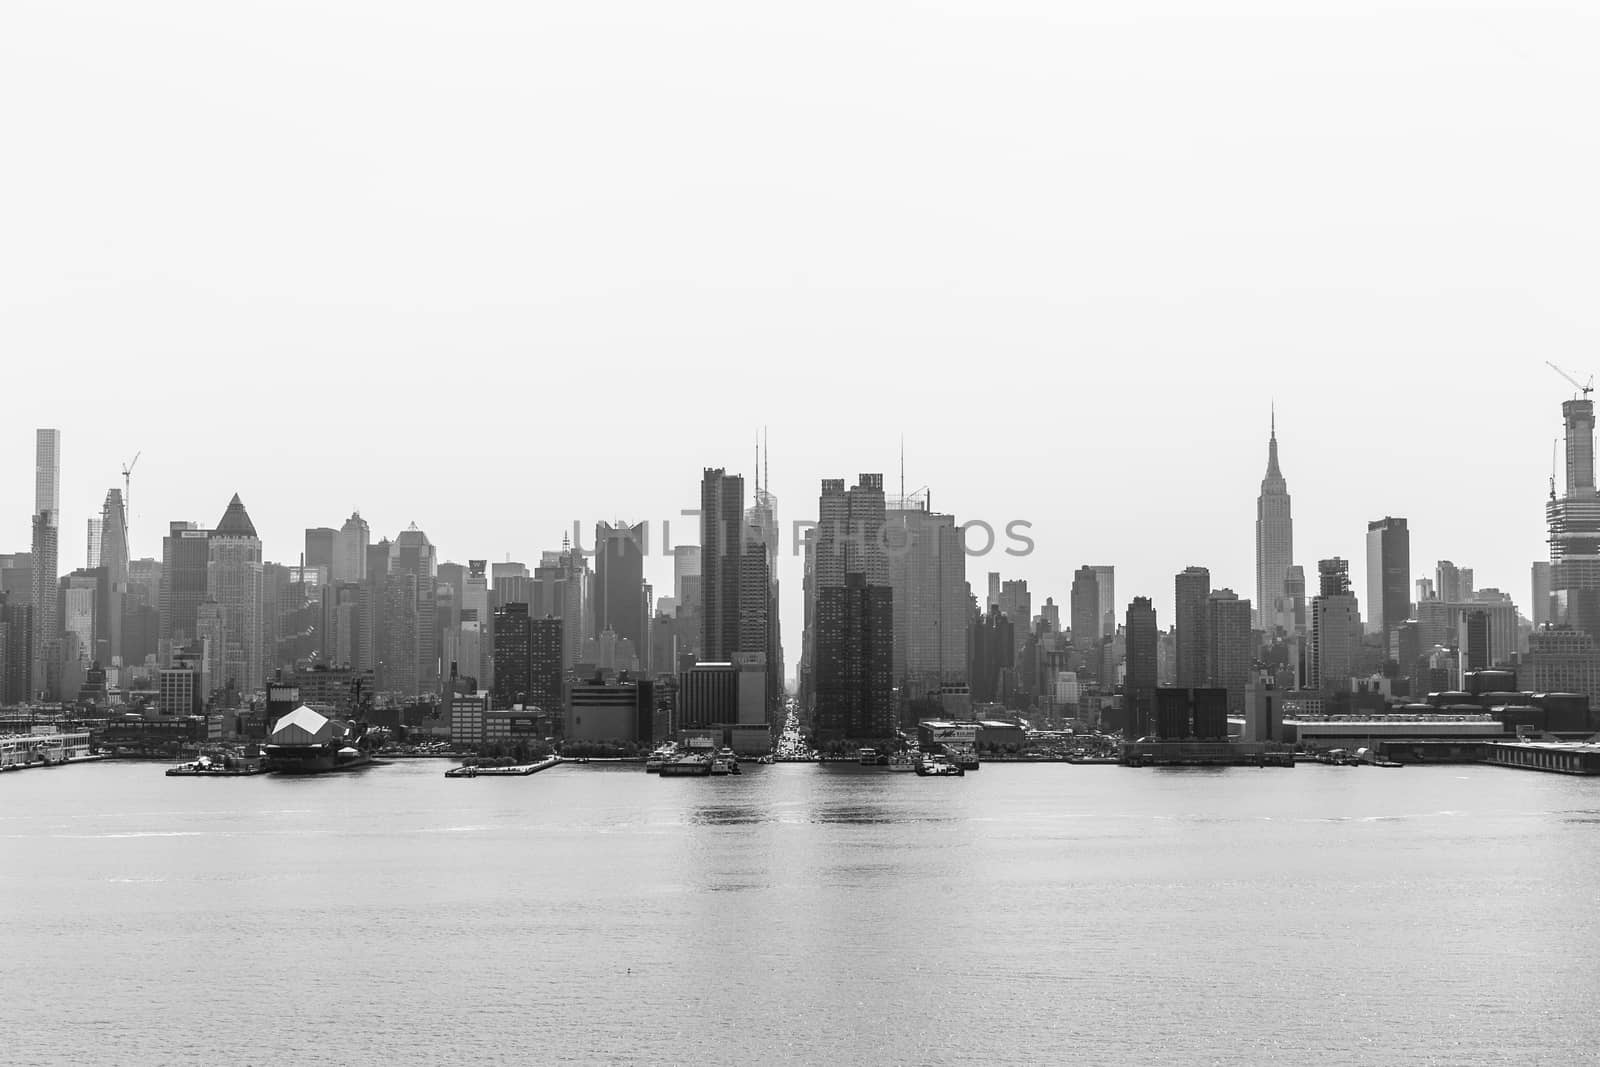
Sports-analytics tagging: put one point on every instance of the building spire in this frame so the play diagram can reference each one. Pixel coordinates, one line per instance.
(1272, 449)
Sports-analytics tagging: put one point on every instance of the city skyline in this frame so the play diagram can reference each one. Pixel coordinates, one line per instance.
(1052, 579)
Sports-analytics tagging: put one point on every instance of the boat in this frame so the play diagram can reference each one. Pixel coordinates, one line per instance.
(690, 766)
(227, 767)
(867, 757)
(1387, 763)
(937, 766)
(657, 759)
(307, 742)
(965, 758)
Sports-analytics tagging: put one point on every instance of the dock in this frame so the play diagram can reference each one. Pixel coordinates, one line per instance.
(521, 770)
(1554, 757)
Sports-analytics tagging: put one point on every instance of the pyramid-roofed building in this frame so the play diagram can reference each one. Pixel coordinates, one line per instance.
(235, 521)
(302, 726)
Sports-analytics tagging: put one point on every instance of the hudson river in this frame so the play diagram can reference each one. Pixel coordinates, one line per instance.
(1023, 914)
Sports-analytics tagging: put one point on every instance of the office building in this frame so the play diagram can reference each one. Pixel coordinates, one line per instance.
(618, 712)
(322, 546)
(1140, 680)
(1274, 533)
(1388, 574)
(1105, 580)
(854, 631)
(619, 599)
(721, 544)
(350, 549)
(1230, 645)
(1335, 629)
(928, 575)
(1086, 617)
(185, 563)
(411, 665)
(45, 673)
(235, 579)
(1192, 588)
(1540, 608)
(513, 656)
(1574, 523)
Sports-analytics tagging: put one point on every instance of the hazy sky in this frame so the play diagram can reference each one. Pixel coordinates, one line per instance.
(495, 267)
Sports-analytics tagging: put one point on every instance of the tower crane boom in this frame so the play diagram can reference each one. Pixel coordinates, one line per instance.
(1584, 389)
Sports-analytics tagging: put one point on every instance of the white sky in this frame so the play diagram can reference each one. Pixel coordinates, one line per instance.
(496, 267)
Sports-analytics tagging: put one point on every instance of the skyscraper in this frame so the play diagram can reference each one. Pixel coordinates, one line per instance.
(721, 544)
(619, 604)
(235, 580)
(185, 556)
(1388, 574)
(928, 574)
(96, 525)
(854, 653)
(411, 663)
(1574, 521)
(350, 550)
(1105, 578)
(321, 547)
(45, 673)
(513, 656)
(1335, 628)
(1139, 683)
(1540, 609)
(1086, 609)
(1274, 533)
(1192, 588)
(1229, 646)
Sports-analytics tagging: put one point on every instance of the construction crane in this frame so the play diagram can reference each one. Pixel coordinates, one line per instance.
(1585, 389)
(127, 495)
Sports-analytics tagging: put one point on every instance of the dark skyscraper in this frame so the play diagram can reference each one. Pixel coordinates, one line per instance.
(619, 601)
(1139, 685)
(513, 656)
(721, 545)
(1388, 574)
(854, 618)
(1193, 589)
(547, 666)
(1086, 621)
(46, 668)
(321, 548)
(185, 559)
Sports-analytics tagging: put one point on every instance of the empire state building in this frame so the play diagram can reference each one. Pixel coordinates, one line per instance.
(1274, 535)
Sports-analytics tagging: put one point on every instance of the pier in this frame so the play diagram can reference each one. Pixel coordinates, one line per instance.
(517, 771)
(1555, 757)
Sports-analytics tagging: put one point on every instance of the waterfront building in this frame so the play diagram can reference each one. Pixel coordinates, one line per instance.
(708, 695)
(235, 580)
(1139, 685)
(1274, 532)
(1388, 574)
(1192, 587)
(617, 712)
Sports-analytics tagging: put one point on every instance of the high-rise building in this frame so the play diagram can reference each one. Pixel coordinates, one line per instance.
(1192, 588)
(928, 573)
(1229, 645)
(321, 547)
(235, 579)
(1388, 574)
(185, 558)
(1540, 608)
(854, 631)
(16, 646)
(1105, 580)
(1335, 628)
(1086, 628)
(762, 537)
(619, 601)
(513, 655)
(1574, 521)
(721, 544)
(1274, 533)
(1140, 681)
(411, 666)
(350, 550)
(45, 674)
(1448, 584)
(547, 671)
(1016, 604)
(96, 525)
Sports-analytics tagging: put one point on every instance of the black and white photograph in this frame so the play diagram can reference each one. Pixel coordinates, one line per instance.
(504, 505)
